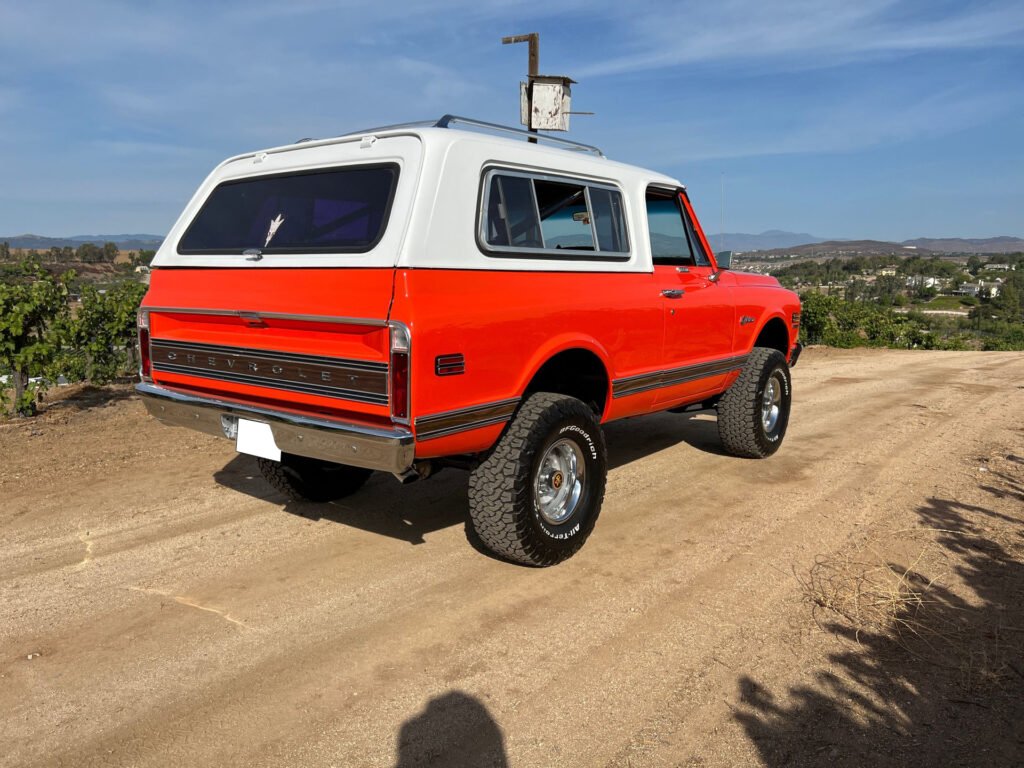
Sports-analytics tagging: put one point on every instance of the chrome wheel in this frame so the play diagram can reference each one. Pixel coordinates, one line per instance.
(771, 403)
(558, 481)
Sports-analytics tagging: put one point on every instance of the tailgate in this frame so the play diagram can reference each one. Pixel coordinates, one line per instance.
(304, 340)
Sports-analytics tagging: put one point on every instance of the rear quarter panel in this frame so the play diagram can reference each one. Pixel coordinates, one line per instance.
(507, 324)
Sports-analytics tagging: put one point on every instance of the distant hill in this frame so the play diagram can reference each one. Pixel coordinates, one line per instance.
(797, 242)
(124, 242)
(1003, 244)
(766, 241)
(838, 248)
(919, 247)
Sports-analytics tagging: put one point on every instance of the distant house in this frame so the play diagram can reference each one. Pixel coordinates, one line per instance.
(998, 267)
(982, 288)
(966, 289)
(991, 290)
(887, 272)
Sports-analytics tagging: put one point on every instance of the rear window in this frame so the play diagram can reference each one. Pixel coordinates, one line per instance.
(340, 210)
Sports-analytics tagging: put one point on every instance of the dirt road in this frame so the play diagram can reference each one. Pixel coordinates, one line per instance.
(160, 605)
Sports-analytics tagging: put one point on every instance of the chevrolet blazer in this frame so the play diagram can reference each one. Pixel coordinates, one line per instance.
(456, 293)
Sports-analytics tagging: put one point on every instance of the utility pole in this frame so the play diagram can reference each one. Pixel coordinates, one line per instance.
(533, 38)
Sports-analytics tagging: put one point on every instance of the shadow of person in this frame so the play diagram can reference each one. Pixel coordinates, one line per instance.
(454, 730)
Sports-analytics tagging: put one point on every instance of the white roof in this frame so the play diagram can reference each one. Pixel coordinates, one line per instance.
(436, 202)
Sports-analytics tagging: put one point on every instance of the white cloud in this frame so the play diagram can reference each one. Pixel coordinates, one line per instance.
(806, 34)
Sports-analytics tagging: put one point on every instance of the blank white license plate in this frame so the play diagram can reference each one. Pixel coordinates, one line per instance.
(256, 439)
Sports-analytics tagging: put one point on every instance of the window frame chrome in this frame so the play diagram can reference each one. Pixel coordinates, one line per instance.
(545, 253)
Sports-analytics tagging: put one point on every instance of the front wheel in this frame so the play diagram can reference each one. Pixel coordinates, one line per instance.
(754, 413)
(536, 498)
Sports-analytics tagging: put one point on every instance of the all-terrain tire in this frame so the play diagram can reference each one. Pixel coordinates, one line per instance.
(746, 425)
(504, 507)
(304, 479)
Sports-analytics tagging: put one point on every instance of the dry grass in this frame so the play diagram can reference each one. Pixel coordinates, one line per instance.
(918, 615)
(872, 595)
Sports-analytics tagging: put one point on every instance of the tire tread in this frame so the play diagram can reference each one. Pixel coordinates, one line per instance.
(738, 409)
(499, 488)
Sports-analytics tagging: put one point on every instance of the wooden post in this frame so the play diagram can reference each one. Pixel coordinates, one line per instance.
(533, 38)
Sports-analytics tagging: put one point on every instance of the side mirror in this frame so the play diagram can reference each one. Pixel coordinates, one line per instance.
(724, 259)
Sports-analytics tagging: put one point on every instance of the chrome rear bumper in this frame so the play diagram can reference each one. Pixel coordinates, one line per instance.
(386, 449)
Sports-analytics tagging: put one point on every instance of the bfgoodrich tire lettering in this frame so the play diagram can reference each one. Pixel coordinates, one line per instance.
(522, 503)
(303, 479)
(754, 413)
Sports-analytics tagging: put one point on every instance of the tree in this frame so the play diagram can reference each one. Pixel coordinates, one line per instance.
(100, 340)
(5, 251)
(88, 253)
(110, 252)
(1007, 305)
(31, 303)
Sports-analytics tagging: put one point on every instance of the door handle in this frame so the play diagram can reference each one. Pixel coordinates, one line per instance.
(673, 293)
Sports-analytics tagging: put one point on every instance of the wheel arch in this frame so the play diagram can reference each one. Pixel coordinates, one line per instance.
(775, 335)
(577, 367)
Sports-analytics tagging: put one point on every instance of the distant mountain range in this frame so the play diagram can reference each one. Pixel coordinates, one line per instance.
(124, 242)
(766, 241)
(1003, 244)
(775, 239)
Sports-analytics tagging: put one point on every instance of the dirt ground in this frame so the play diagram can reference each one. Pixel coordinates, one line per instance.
(857, 599)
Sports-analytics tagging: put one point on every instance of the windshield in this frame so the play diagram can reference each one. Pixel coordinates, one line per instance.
(339, 210)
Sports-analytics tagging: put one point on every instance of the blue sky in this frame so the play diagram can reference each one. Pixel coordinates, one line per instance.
(872, 118)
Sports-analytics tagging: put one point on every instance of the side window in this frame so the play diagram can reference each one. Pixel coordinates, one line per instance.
(609, 220)
(698, 249)
(670, 243)
(564, 218)
(512, 213)
(526, 215)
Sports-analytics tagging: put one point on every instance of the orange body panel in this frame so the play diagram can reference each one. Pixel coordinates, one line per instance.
(311, 298)
(505, 324)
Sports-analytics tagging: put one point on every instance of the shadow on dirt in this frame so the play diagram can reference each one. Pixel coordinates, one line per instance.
(453, 730)
(83, 398)
(949, 693)
(382, 506)
(409, 512)
(634, 439)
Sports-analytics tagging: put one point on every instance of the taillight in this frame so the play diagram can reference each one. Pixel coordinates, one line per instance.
(399, 371)
(145, 362)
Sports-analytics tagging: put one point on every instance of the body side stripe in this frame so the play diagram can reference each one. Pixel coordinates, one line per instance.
(451, 422)
(633, 385)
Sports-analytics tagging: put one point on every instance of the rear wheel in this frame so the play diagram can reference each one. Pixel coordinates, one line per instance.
(536, 498)
(304, 479)
(754, 413)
